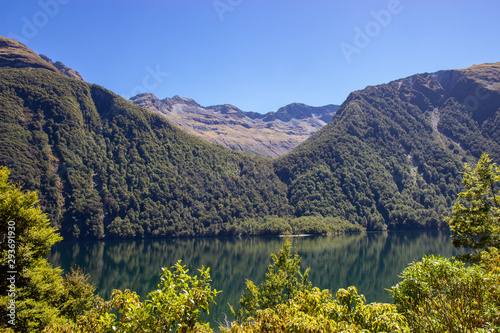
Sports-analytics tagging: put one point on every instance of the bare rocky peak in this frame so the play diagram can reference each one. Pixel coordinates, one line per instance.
(302, 111)
(228, 109)
(17, 55)
(180, 100)
(63, 68)
(272, 134)
(285, 114)
(151, 102)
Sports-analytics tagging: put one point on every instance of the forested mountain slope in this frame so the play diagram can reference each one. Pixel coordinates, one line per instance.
(393, 153)
(105, 167)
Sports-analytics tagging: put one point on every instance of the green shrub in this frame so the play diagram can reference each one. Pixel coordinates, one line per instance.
(445, 295)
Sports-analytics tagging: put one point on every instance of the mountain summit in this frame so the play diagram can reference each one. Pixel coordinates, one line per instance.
(63, 68)
(17, 55)
(272, 134)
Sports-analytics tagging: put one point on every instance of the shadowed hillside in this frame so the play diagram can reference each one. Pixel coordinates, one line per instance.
(393, 154)
(105, 167)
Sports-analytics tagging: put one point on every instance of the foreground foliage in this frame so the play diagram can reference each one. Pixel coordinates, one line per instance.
(444, 295)
(42, 294)
(175, 305)
(286, 302)
(435, 294)
(476, 213)
(283, 282)
(317, 310)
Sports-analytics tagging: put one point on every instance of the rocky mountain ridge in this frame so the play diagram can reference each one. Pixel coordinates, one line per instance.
(272, 134)
(17, 55)
(63, 68)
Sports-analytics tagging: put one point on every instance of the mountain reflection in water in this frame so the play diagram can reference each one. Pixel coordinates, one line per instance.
(369, 261)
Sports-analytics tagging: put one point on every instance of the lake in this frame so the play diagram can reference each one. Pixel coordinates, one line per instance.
(369, 261)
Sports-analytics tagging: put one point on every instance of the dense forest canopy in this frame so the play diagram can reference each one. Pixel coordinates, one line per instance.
(435, 294)
(393, 154)
(104, 167)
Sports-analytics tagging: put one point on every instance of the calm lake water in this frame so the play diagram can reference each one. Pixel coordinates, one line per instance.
(369, 261)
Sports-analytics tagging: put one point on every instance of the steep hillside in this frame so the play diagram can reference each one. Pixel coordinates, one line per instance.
(70, 72)
(392, 155)
(105, 167)
(272, 134)
(16, 55)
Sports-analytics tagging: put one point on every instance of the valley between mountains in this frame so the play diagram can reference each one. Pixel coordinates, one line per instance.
(272, 134)
(389, 157)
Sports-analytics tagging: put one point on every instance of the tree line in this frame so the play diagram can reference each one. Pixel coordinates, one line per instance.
(105, 168)
(435, 294)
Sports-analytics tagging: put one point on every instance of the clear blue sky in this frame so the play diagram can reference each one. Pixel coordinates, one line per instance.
(258, 55)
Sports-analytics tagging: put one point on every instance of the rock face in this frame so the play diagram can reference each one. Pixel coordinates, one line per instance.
(16, 55)
(272, 134)
(63, 68)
